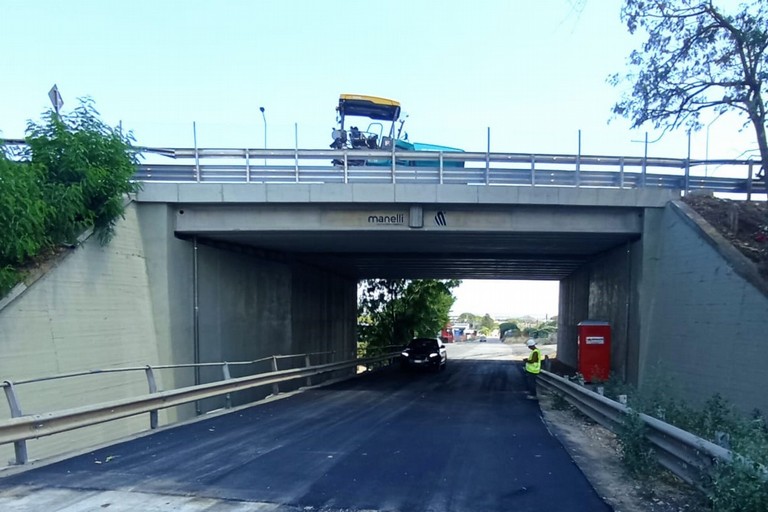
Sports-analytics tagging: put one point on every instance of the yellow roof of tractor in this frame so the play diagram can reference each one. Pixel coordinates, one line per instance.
(372, 107)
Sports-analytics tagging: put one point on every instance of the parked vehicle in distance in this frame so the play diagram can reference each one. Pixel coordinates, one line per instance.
(424, 353)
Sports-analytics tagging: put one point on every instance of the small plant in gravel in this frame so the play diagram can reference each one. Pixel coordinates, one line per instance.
(636, 452)
(740, 485)
(559, 403)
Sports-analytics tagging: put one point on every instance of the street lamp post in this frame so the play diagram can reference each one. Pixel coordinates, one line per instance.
(264, 117)
(645, 154)
(706, 147)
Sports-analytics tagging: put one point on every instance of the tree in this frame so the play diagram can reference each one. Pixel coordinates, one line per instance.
(697, 57)
(487, 324)
(87, 169)
(392, 311)
(72, 175)
(508, 327)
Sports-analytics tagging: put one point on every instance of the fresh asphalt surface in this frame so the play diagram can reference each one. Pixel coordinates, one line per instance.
(464, 439)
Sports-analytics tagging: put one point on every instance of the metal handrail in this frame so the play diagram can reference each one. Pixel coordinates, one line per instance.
(688, 456)
(7, 383)
(214, 165)
(308, 166)
(19, 428)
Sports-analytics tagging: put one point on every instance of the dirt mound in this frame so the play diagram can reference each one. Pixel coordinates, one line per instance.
(743, 223)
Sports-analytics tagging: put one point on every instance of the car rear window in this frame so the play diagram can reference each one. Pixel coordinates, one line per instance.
(423, 343)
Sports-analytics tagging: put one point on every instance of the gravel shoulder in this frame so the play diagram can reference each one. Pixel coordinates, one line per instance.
(596, 451)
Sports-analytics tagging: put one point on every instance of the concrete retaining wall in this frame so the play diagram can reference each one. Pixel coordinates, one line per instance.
(705, 314)
(599, 290)
(93, 310)
(131, 303)
(687, 312)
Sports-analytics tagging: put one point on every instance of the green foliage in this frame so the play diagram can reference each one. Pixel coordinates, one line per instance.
(542, 330)
(636, 451)
(739, 487)
(23, 212)
(697, 56)
(736, 486)
(392, 311)
(487, 324)
(87, 167)
(8, 279)
(508, 327)
(72, 175)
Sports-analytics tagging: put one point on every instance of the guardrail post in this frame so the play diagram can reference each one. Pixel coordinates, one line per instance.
(577, 176)
(307, 364)
(227, 376)
(749, 181)
(440, 169)
(394, 165)
(533, 170)
(296, 149)
(20, 447)
(275, 386)
(197, 153)
(152, 389)
(621, 172)
(488, 156)
(247, 165)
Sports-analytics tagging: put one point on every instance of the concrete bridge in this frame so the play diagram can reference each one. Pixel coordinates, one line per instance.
(214, 271)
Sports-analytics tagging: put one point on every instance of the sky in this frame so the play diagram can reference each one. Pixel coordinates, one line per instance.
(532, 74)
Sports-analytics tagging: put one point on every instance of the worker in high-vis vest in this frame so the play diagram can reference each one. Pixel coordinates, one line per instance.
(532, 368)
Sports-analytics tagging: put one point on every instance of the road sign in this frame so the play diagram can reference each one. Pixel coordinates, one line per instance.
(55, 96)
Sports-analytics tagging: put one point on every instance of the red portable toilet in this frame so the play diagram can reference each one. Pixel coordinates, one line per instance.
(594, 350)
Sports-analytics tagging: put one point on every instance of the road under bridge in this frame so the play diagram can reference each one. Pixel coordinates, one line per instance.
(464, 439)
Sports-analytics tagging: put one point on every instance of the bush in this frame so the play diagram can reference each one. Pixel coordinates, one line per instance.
(88, 167)
(72, 175)
(636, 451)
(23, 212)
(740, 485)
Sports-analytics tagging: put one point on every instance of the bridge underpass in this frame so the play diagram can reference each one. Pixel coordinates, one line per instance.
(349, 232)
(591, 287)
(415, 242)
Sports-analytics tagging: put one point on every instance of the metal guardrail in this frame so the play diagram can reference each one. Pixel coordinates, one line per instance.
(437, 167)
(20, 428)
(246, 165)
(686, 455)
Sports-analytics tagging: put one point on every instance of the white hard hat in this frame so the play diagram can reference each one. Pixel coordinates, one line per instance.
(531, 342)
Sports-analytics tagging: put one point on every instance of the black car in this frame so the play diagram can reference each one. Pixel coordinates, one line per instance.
(424, 353)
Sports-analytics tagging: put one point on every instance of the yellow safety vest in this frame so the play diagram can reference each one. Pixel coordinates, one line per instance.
(534, 367)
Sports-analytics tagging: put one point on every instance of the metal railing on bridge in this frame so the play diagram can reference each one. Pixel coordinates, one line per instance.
(437, 167)
(309, 166)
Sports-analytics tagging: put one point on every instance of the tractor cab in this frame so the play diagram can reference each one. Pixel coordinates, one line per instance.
(366, 122)
(370, 123)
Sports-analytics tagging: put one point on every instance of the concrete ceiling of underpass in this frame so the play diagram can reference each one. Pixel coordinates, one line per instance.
(413, 255)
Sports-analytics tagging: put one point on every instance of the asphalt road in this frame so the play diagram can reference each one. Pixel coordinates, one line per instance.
(464, 439)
